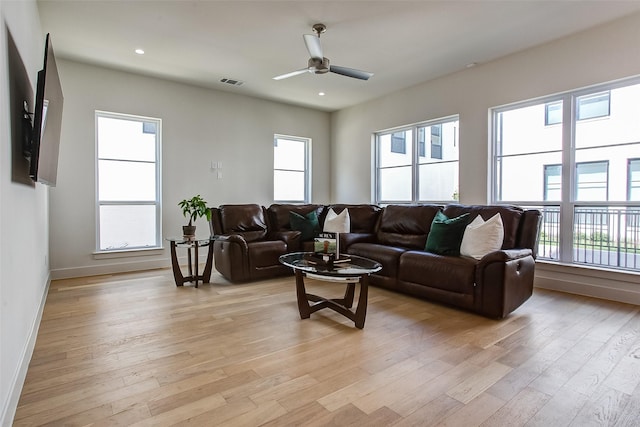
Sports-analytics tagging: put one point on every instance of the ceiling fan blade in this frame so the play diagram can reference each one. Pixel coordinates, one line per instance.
(313, 46)
(291, 74)
(350, 72)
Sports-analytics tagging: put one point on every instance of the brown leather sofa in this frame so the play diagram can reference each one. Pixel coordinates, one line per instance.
(395, 236)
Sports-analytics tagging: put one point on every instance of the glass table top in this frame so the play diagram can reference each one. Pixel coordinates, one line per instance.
(346, 266)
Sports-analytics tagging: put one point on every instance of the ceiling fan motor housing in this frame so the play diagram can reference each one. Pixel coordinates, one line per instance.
(318, 66)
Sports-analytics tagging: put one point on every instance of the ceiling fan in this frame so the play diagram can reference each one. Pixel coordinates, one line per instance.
(318, 64)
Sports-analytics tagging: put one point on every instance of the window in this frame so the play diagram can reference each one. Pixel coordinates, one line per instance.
(398, 143)
(128, 182)
(589, 170)
(592, 181)
(553, 113)
(552, 182)
(633, 180)
(436, 142)
(412, 174)
(593, 106)
(291, 175)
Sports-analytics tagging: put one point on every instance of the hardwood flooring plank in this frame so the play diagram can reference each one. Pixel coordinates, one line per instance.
(603, 408)
(475, 412)
(519, 410)
(477, 383)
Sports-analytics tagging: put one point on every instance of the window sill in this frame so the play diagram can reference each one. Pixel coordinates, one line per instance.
(126, 253)
(590, 271)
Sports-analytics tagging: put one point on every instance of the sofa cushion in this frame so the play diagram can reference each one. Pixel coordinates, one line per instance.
(307, 224)
(246, 220)
(482, 237)
(266, 253)
(446, 234)
(406, 226)
(388, 256)
(454, 274)
(337, 223)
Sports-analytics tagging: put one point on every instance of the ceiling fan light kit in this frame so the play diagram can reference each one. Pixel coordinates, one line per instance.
(318, 64)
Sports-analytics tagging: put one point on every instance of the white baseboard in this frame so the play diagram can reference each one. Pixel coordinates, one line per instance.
(118, 265)
(598, 283)
(17, 382)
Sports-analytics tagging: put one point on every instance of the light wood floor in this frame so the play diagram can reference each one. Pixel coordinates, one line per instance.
(135, 350)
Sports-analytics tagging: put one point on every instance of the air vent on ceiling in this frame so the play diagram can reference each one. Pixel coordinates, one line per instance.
(232, 82)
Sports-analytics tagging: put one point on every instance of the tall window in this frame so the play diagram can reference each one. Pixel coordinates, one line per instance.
(291, 169)
(421, 172)
(590, 178)
(128, 182)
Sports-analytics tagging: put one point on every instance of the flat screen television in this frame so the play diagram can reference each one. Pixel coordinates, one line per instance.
(47, 121)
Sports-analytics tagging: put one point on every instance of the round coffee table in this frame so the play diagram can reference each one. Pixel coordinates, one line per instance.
(349, 269)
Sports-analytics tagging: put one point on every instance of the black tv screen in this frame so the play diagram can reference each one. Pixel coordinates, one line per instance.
(47, 121)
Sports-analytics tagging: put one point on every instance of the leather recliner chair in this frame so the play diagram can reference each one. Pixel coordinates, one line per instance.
(244, 249)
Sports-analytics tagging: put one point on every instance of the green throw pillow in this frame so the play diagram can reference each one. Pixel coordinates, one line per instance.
(307, 225)
(446, 234)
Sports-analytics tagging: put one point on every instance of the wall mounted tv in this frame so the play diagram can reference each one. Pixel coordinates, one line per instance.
(42, 141)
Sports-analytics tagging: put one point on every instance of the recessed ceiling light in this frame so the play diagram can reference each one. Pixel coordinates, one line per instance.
(140, 51)
(321, 93)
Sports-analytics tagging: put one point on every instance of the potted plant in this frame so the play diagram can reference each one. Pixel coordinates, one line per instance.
(193, 209)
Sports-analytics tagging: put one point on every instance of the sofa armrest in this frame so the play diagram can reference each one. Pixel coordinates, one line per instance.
(504, 281)
(234, 239)
(504, 256)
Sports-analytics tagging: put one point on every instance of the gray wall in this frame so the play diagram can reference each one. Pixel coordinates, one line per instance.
(198, 126)
(24, 229)
(602, 54)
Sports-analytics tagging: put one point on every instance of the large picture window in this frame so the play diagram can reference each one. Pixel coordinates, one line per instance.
(588, 168)
(291, 175)
(128, 182)
(422, 171)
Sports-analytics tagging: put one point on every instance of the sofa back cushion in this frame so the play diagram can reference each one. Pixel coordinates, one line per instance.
(406, 226)
(511, 216)
(363, 218)
(279, 218)
(246, 220)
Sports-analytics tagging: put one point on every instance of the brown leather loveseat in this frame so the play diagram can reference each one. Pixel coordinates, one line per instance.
(492, 285)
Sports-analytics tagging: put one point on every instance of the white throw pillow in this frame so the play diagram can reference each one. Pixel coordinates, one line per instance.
(335, 223)
(482, 237)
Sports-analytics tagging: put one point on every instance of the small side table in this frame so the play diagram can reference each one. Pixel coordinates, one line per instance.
(193, 275)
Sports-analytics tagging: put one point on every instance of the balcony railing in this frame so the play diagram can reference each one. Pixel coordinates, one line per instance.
(602, 236)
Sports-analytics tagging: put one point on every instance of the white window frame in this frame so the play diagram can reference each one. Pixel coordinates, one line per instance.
(568, 204)
(307, 167)
(157, 202)
(416, 156)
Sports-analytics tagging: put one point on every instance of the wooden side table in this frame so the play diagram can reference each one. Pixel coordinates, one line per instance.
(192, 263)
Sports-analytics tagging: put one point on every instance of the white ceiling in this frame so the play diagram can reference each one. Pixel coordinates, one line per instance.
(403, 42)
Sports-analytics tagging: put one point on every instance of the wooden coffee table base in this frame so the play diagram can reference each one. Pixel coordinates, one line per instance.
(341, 305)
